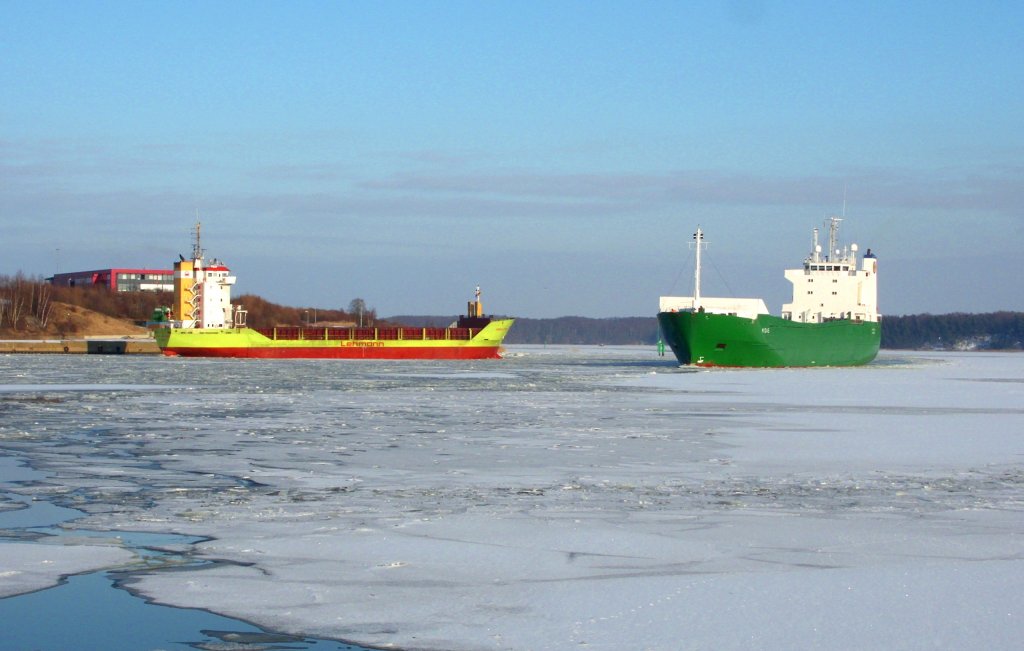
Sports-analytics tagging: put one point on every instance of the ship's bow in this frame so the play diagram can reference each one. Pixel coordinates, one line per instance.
(675, 328)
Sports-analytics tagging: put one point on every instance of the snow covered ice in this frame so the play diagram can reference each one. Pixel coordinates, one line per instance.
(27, 567)
(563, 498)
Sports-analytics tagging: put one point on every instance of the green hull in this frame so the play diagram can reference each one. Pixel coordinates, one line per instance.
(706, 339)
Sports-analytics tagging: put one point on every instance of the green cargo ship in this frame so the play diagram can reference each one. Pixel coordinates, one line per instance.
(833, 319)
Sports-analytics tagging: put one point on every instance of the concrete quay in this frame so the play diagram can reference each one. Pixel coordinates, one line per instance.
(89, 346)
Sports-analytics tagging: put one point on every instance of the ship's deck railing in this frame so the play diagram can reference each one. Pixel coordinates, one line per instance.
(368, 334)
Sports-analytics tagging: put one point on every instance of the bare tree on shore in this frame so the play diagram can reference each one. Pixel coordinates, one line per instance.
(24, 299)
(12, 295)
(42, 306)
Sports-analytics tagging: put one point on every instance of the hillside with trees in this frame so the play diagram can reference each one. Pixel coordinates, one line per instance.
(32, 307)
(992, 331)
(575, 330)
(264, 314)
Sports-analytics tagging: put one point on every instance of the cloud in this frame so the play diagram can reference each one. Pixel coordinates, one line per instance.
(322, 172)
(996, 189)
(75, 178)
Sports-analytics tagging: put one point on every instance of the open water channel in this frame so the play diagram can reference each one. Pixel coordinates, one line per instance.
(98, 610)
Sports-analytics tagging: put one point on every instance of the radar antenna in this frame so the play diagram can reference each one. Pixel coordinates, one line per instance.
(197, 249)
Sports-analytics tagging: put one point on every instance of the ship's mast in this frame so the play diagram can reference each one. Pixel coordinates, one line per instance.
(833, 233)
(698, 239)
(474, 308)
(197, 249)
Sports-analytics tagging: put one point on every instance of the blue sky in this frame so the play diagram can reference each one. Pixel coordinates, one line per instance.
(559, 154)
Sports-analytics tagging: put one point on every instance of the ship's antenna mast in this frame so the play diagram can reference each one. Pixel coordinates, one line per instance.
(197, 249)
(698, 239)
(833, 230)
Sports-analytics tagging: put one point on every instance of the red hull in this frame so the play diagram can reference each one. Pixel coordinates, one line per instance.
(348, 352)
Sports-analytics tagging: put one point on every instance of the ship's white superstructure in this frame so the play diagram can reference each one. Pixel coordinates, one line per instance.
(202, 294)
(828, 286)
(832, 286)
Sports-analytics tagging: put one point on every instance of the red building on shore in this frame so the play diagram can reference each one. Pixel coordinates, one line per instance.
(119, 280)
